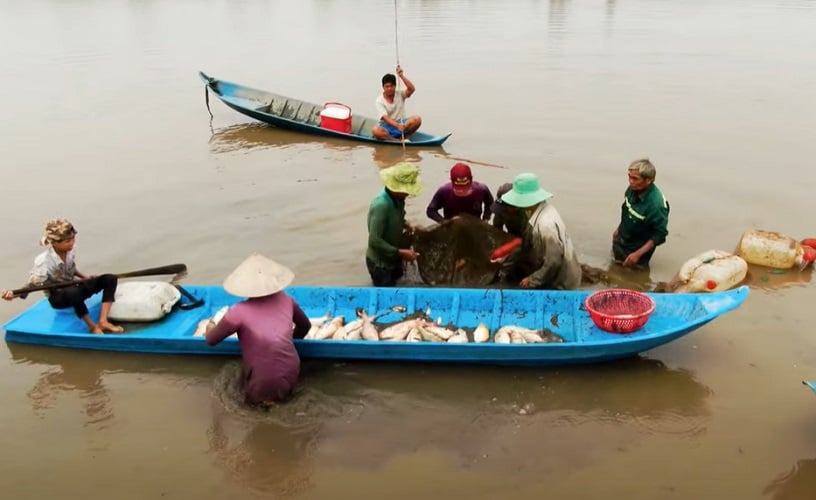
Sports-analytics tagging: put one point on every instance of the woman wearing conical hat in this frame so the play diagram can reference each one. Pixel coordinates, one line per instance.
(57, 265)
(547, 258)
(264, 325)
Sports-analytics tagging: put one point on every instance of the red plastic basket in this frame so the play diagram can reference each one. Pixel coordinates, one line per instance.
(617, 310)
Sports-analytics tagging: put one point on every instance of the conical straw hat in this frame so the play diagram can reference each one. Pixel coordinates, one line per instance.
(258, 276)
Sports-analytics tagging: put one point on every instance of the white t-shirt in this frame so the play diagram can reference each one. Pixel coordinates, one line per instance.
(395, 110)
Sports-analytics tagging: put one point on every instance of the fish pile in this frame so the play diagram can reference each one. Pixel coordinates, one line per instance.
(207, 323)
(419, 329)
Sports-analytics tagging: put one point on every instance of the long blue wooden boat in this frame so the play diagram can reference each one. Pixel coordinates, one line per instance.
(561, 312)
(294, 114)
(810, 384)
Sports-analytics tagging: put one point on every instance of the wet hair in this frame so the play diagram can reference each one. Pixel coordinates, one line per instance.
(644, 168)
(389, 78)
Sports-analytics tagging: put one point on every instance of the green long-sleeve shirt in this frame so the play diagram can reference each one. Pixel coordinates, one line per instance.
(386, 218)
(644, 217)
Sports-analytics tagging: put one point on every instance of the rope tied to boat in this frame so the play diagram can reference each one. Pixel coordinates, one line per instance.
(207, 100)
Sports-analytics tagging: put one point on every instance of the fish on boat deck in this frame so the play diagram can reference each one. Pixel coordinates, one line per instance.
(420, 327)
(207, 323)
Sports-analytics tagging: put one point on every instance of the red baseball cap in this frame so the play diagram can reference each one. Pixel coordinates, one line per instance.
(461, 179)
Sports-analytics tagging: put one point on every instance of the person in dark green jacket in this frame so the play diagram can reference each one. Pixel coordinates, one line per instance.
(644, 218)
(386, 222)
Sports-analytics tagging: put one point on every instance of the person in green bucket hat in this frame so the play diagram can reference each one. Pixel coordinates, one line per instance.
(546, 258)
(386, 222)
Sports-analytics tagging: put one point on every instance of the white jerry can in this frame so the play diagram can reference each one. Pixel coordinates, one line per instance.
(770, 249)
(711, 271)
(142, 301)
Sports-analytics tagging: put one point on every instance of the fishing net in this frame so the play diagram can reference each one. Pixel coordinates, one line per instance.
(457, 252)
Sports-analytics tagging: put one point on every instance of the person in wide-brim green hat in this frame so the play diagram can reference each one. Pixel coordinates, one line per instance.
(547, 257)
(386, 223)
(526, 192)
(402, 178)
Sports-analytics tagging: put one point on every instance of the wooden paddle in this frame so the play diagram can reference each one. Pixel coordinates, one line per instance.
(152, 271)
(467, 160)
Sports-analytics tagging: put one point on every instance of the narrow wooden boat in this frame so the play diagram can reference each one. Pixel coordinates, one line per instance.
(562, 313)
(294, 114)
(810, 384)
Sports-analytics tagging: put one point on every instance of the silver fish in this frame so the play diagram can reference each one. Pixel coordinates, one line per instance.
(399, 330)
(532, 336)
(413, 335)
(551, 336)
(516, 337)
(311, 333)
(356, 334)
(501, 337)
(425, 330)
(481, 333)
(206, 324)
(328, 330)
(351, 331)
(441, 332)
(460, 337)
(368, 331)
(201, 328)
(529, 336)
(318, 322)
(219, 314)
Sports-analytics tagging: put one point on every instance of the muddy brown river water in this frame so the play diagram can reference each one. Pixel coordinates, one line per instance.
(104, 122)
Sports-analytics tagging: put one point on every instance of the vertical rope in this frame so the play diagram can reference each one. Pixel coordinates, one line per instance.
(207, 101)
(396, 45)
(396, 30)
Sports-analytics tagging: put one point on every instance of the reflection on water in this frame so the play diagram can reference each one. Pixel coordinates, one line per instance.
(387, 156)
(765, 278)
(635, 387)
(477, 414)
(249, 136)
(83, 373)
(799, 483)
(88, 383)
(616, 276)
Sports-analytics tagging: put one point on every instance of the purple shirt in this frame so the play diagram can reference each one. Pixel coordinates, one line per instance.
(477, 203)
(264, 327)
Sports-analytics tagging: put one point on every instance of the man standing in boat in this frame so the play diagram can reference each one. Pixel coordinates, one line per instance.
(391, 110)
(644, 218)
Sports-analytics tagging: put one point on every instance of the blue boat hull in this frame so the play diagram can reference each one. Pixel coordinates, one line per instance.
(289, 113)
(561, 312)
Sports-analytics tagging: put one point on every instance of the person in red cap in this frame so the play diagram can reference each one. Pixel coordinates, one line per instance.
(462, 195)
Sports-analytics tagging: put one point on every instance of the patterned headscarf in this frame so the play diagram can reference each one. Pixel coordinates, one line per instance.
(57, 230)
